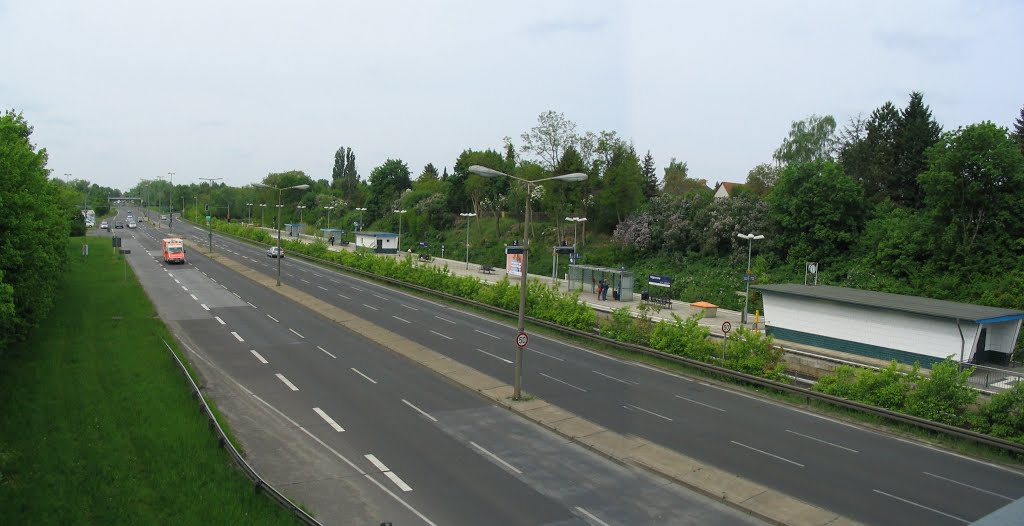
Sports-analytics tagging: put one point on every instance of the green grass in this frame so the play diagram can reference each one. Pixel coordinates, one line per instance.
(98, 425)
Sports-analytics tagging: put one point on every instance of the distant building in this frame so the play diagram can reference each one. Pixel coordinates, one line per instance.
(725, 190)
(380, 242)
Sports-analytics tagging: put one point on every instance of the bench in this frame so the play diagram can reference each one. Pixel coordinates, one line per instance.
(664, 301)
(486, 269)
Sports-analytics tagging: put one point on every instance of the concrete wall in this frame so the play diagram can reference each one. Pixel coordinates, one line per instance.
(390, 243)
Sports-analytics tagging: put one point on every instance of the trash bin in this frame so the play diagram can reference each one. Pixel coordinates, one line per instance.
(645, 295)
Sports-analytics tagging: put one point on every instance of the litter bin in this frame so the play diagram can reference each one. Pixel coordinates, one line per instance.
(645, 295)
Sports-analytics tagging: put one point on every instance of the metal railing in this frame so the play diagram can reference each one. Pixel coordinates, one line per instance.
(993, 378)
(998, 443)
(260, 485)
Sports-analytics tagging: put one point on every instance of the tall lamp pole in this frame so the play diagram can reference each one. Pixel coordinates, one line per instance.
(747, 276)
(329, 208)
(300, 207)
(197, 209)
(517, 378)
(279, 206)
(170, 203)
(250, 212)
(209, 223)
(400, 214)
(467, 215)
(263, 214)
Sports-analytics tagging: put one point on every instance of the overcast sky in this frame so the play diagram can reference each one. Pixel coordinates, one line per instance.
(120, 91)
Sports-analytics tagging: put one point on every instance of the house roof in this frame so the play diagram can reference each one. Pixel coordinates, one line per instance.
(897, 302)
(728, 187)
(376, 234)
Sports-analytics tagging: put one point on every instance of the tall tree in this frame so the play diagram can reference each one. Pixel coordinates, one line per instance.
(918, 131)
(548, 140)
(973, 188)
(810, 140)
(650, 173)
(1018, 131)
(387, 182)
(622, 188)
(483, 194)
(871, 159)
(429, 173)
(677, 181)
(761, 179)
(338, 173)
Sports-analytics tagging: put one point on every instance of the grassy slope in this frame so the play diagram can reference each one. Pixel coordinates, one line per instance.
(98, 425)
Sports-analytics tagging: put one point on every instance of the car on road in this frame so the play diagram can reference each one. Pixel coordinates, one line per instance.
(118, 224)
(132, 224)
(275, 252)
(104, 225)
(163, 217)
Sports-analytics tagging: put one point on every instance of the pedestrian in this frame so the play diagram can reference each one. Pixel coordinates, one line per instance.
(332, 241)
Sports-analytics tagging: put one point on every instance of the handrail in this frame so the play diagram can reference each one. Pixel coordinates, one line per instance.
(998, 443)
(261, 485)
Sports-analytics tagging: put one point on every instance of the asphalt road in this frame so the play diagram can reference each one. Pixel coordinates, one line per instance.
(863, 474)
(408, 446)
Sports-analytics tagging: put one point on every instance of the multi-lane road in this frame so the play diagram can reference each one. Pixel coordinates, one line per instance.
(451, 447)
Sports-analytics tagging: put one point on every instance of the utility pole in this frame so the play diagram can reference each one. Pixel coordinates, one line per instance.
(170, 204)
(209, 223)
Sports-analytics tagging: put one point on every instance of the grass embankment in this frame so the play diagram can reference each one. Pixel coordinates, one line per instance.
(98, 425)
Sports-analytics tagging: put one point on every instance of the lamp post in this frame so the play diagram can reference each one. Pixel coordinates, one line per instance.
(400, 213)
(250, 212)
(329, 208)
(170, 203)
(67, 179)
(747, 276)
(300, 207)
(467, 215)
(197, 209)
(209, 223)
(263, 214)
(575, 221)
(279, 206)
(517, 378)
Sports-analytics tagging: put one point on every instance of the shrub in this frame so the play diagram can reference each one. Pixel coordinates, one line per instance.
(1003, 415)
(625, 328)
(944, 396)
(683, 337)
(753, 353)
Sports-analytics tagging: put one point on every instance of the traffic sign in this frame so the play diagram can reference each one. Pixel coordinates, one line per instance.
(749, 277)
(726, 327)
(522, 339)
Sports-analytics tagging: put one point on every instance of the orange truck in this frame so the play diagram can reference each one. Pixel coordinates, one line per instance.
(173, 249)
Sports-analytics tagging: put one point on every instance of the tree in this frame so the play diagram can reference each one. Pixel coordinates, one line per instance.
(622, 190)
(917, 132)
(650, 174)
(548, 140)
(817, 212)
(344, 176)
(677, 182)
(429, 173)
(482, 192)
(387, 182)
(1018, 131)
(870, 156)
(810, 140)
(973, 188)
(761, 179)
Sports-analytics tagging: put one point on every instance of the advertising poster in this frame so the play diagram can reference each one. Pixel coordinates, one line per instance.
(514, 264)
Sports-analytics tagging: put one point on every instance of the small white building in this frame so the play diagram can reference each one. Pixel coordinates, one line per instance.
(380, 242)
(888, 326)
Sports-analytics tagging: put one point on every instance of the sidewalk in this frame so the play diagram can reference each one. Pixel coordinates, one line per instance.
(588, 296)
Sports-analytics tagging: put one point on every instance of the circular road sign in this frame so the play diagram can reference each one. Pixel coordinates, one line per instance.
(726, 327)
(522, 339)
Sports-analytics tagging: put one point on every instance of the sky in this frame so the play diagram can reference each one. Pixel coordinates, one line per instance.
(119, 91)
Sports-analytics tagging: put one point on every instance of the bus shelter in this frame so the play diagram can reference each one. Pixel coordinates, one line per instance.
(335, 233)
(586, 277)
(294, 229)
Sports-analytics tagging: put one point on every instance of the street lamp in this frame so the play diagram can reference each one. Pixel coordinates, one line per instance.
(400, 213)
(67, 179)
(517, 378)
(209, 223)
(250, 212)
(300, 207)
(467, 215)
(747, 276)
(197, 209)
(263, 214)
(329, 208)
(170, 203)
(279, 206)
(575, 220)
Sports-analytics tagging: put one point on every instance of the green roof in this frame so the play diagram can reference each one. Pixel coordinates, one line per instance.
(897, 302)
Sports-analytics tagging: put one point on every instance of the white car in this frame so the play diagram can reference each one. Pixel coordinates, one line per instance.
(132, 224)
(274, 252)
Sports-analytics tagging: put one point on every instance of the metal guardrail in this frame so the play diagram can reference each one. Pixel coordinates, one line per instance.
(998, 443)
(260, 484)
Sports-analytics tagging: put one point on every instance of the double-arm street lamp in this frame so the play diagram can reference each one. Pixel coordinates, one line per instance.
(400, 214)
(467, 215)
(250, 212)
(209, 223)
(300, 207)
(263, 214)
(279, 205)
(748, 276)
(517, 378)
(575, 220)
(170, 203)
(329, 208)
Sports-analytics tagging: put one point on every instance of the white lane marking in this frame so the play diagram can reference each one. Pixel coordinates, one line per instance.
(325, 352)
(273, 318)
(236, 295)
(168, 273)
(442, 335)
(1011, 499)
(237, 336)
(371, 380)
(379, 296)
(631, 406)
(822, 441)
(495, 457)
(692, 401)
(422, 412)
(224, 287)
(912, 503)
(445, 319)
(546, 354)
(176, 281)
(487, 334)
(400, 319)
(387, 473)
(286, 382)
(495, 356)
(184, 288)
(357, 288)
(610, 377)
(203, 305)
(304, 281)
(330, 421)
(408, 307)
(335, 281)
(370, 307)
(194, 297)
(344, 296)
(253, 306)
(321, 288)
(592, 517)
(258, 357)
(213, 280)
(297, 334)
(219, 320)
(767, 453)
(562, 382)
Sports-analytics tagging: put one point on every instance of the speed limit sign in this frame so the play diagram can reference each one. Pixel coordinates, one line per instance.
(522, 339)
(726, 327)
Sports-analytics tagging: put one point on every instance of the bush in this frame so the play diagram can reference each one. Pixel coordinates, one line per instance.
(625, 328)
(944, 396)
(752, 353)
(1003, 415)
(683, 337)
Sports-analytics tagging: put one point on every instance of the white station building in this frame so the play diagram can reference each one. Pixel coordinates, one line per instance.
(887, 326)
(380, 242)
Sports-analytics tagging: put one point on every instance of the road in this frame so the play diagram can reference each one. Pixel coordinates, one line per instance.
(361, 435)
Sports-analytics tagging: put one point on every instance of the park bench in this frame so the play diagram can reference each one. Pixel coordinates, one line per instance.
(486, 269)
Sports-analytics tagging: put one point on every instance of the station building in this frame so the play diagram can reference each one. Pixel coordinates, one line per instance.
(379, 242)
(887, 326)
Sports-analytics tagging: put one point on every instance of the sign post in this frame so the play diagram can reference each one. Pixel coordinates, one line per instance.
(522, 339)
